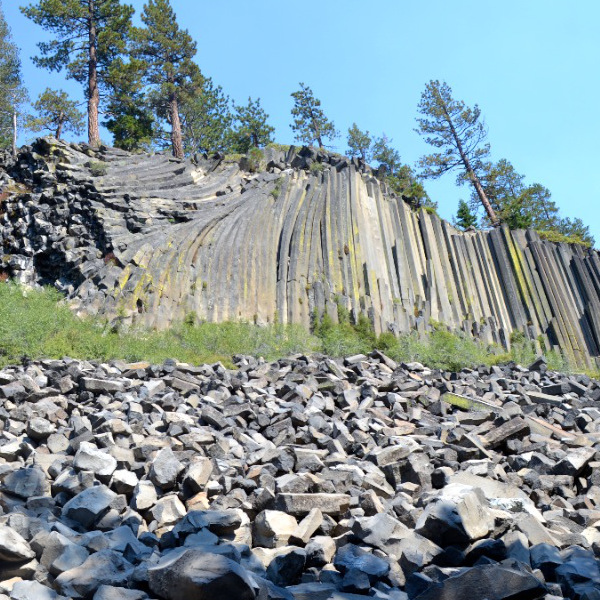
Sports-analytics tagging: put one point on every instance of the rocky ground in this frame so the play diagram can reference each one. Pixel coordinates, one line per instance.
(305, 478)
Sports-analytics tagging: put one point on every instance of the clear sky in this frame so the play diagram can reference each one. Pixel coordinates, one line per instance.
(532, 66)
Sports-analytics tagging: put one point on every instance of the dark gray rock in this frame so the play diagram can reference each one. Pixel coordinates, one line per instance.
(185, 574)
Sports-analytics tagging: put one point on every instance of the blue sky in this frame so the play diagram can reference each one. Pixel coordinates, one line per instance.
(531, 65)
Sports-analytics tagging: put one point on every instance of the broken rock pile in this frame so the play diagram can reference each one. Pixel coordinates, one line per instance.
(305, 478)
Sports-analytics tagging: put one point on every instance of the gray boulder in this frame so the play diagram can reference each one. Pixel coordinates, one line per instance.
(184, 574)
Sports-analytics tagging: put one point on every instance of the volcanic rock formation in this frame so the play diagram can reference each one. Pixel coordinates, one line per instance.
(150, 240)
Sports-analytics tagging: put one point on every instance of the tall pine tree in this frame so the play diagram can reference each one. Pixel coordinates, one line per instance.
(310, 123)
(12, 91)
(167, 53)
(459, 133)
(90, 34)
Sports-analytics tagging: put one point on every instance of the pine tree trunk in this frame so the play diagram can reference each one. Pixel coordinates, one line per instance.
(59, 127)
(471, 173)
(176, 137)
(93, 93)
(14, 140)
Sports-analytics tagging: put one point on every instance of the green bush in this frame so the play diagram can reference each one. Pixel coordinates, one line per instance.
(316, 168)
(279, 147)
(552, 235)
(97, 168)
(35, 323)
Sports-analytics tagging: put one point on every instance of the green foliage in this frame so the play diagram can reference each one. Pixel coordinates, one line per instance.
(464, 217)
(399, 177)
(458, 133)
(97, 168)
(276, 191)
(359, 143)
(206, 118)
(36, 324)
(166, 52)
(552, 235)
(55, 113)
(453, 128)
(12, 92)
(316, 168)
(255, 160)
(130, 115)
(522, 206)
(310, 123)
(250, 129)
(279, 147)
(575, 231)
(88, 37)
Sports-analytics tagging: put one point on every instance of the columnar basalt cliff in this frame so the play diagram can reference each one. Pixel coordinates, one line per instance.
(149, 240)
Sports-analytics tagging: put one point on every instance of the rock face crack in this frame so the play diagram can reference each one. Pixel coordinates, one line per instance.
(115, 231)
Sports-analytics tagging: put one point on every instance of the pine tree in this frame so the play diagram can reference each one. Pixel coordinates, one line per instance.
(55, 113)
(310, 123)
(130, 116)
(167, 52)
(251, 129)
(399, 177)
(359, 143)
(90, 34)
(576, 231)
(517, 205)
(460, 135)
(12, 92)
(464, 217)
(205, 117)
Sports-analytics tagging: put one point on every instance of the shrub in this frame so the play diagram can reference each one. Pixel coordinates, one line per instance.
(97, 168)
(316, 168)
(255, 160)
(551, 235)
(279, 147)
(276, 191)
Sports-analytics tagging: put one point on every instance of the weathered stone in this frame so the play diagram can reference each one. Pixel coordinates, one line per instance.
(302, 504)
(494, 582)
(13, 548)
(272, 528)
(185, 574)
(90, 458)
(102, 568)
(165, 469)
(89, 506)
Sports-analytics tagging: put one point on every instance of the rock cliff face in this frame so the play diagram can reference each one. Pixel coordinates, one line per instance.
(150, 240)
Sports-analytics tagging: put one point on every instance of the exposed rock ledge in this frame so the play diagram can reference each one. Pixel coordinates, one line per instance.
(148, 239)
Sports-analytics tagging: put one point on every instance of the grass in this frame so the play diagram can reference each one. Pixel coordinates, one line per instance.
(34, 323)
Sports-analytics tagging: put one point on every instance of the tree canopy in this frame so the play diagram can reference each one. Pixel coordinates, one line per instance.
(359, 143)
(89, 35)
(130, 117)
(167, 54)
(12, 91)
(206, 118)
(55, 113)
(250, 129)
(458, 133)
(310, 123)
